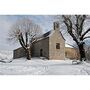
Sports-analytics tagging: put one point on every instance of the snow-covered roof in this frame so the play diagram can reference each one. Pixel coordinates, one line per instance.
(67, 45)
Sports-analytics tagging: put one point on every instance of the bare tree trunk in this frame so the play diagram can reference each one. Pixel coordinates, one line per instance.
(82, 52)
(28, 54)
(78, 35)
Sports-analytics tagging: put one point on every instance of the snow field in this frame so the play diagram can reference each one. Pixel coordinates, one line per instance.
(37, 66)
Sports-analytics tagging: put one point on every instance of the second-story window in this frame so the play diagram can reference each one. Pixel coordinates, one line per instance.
(57, 45)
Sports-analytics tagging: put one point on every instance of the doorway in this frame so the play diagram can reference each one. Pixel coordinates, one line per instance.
(41, 52)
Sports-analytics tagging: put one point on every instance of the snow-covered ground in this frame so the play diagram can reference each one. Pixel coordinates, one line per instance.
(37, 66)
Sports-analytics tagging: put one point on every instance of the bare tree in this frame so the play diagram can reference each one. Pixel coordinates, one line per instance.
(75, 28)
(26, 32)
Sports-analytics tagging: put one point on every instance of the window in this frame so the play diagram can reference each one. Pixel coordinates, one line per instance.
(57, 45)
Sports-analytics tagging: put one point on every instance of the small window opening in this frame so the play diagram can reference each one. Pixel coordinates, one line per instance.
(57, 45)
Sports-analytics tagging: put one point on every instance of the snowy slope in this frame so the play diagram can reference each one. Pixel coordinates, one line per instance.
(37, 66)
(5, 54)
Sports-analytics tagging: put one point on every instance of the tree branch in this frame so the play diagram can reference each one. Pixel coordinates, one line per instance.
(22, 43)
(82, 37)
(81, 25)
(77, 23)
(22, 39)
(69, 28)
(26, 35)
(86, 37)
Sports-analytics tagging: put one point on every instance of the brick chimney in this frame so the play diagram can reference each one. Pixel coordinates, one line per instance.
(56, 25)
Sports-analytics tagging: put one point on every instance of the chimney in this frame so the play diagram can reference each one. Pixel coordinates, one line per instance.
(56, 25)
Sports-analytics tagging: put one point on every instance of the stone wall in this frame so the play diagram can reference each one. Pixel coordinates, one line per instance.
(35, 50)
(87, 53)
(18, 53)
(71, 53)
(41, 45)
(57, 54)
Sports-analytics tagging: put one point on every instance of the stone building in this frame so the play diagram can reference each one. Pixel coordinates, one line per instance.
(87, 52)
(50, 45)
(72, 53)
